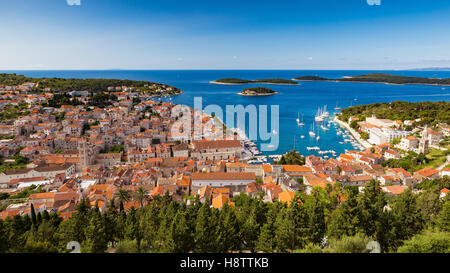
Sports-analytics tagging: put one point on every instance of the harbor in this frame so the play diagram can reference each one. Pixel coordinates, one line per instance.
(323, 126)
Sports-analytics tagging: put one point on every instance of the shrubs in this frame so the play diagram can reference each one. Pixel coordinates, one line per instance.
(428, 242)
(350, 244)
(127, 246)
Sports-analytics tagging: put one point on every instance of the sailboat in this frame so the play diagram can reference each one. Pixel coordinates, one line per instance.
(325, 114)
(337, 108)
(318, 116)
(298, 121)
(311, 133)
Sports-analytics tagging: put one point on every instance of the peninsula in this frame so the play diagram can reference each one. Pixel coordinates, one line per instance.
(37, 85)
(381, 78)
(266, 81)
(257, 91)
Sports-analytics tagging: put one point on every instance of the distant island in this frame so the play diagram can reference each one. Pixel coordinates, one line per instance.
(381, 78)
(430, 69)
(257, 91)
(91, 85)
(266, 81)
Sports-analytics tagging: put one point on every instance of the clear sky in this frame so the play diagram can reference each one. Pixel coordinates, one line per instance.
(216, 34)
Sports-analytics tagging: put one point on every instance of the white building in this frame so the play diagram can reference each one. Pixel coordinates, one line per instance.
(222, 179)
(379, 136)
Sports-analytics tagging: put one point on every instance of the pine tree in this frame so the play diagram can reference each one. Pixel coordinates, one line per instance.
(250, 228)
(285, 231)
(345, 220)
(180, 237)
(316, 220)
(430, 204)
(266, 239)
(374, 219)
(204, 236)
(96, 241)
(4, 244)
(227, 230)
(149, 225)
(443, 220)
(407, 215)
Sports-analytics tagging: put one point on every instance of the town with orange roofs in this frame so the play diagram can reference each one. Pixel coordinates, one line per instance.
(61, 155)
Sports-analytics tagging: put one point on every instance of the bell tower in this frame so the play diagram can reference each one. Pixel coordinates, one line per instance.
(424, 142)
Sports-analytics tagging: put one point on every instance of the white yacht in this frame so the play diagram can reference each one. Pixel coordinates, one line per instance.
(325, 114)
(318, 116)
(337, 108)
(311, 133)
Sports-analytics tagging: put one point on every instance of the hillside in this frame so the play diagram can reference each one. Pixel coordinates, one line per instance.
(91, 85)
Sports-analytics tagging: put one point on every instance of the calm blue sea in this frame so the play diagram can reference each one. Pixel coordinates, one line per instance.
(304, 99)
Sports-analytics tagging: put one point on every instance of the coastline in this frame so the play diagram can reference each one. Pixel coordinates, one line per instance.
(358, 138)
(225, 83)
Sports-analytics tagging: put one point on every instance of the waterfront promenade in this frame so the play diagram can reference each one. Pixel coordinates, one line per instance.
(355, 134)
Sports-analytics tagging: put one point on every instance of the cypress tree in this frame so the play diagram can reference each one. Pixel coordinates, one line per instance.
(33, 215)
(39, 218)
(45, 215)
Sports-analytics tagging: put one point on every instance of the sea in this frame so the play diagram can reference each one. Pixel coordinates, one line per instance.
(294, 101)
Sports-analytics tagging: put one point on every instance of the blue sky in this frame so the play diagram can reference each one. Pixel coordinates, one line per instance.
(232, 34)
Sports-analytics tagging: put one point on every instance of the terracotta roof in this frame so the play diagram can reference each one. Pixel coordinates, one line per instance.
(217, 144)
(223, 176)
(296, 168)
(427, 172)
(159, 190)
(286, 197)
(315, 180)
(253, 187)
(267, 168)
(396, 189)
(346, 157)
(236, 164)
(220, 200)
(44, 195)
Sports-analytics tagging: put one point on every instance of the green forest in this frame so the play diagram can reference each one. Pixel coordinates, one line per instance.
(430, 113)
(241, 81)
(68, 85)
(258, 90)
(347, 218)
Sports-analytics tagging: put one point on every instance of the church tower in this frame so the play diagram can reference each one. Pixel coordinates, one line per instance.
(84, 153)
(424, 143)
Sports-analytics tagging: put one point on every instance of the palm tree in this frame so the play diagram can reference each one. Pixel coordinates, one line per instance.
(141, 195)
(123, 196)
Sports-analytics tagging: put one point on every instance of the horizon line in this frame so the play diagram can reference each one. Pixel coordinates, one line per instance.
(218, 69)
